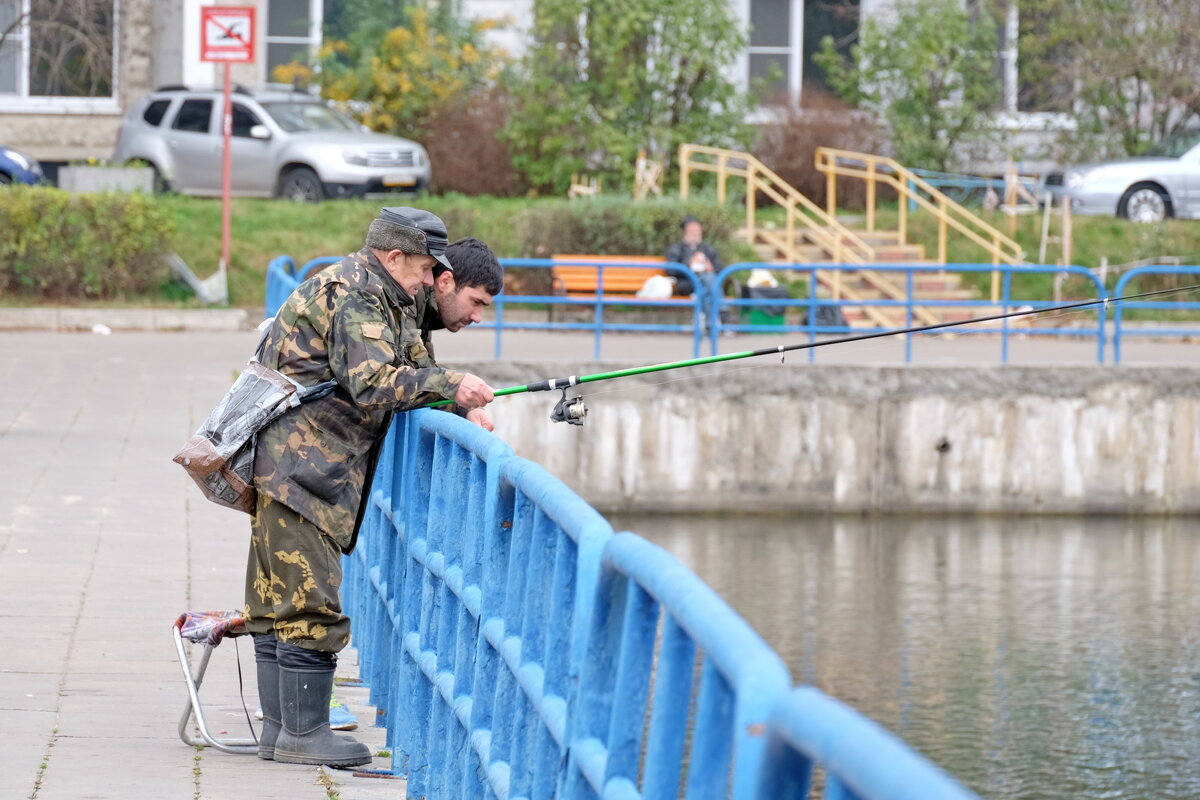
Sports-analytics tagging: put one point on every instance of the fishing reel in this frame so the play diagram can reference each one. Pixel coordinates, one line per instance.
(570, 410)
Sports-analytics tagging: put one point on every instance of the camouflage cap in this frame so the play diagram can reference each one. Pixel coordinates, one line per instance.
(410, 230)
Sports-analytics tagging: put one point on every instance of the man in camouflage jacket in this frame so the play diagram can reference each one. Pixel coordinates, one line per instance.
(313, 464)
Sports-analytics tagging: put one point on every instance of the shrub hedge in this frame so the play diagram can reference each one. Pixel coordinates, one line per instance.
(56, 246)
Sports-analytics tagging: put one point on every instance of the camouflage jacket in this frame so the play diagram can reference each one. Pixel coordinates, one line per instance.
(417, 319)
(345, 323)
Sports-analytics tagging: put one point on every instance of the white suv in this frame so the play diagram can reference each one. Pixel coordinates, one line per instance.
(284, 144)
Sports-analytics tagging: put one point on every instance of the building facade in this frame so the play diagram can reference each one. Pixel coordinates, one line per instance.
(61, 99)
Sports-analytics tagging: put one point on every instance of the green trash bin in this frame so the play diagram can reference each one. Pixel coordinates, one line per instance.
(767, 316)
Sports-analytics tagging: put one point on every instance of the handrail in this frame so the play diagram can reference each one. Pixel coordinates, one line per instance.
(832, 237)
(1005, 302)
(707, 306)
(1120, 328)
(862, 759)
(842, 243)
(873, 168)
(510, 639)
(282, 280)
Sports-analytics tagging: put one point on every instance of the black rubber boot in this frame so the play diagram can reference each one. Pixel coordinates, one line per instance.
(268, 693)
(305, 686)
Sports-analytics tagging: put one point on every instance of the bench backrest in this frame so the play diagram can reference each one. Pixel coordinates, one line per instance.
(571, 279)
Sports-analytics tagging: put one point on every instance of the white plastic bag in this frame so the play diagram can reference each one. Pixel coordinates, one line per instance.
(656, 287)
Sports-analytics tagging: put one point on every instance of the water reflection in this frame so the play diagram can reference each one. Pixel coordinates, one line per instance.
(1032, 657)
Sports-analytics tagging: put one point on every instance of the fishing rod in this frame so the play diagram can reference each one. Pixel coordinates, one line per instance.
(573, 410)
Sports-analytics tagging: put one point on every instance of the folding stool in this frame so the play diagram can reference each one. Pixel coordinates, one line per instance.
(207, 629)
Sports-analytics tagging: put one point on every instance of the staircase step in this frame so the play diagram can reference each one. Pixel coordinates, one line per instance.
(874, 238)
(900, 252)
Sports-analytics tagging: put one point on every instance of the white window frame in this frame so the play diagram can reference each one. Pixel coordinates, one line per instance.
(24, 103)
(316, 20)
(794, 50)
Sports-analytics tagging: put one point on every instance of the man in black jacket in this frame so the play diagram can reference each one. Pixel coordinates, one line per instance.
(696, 254)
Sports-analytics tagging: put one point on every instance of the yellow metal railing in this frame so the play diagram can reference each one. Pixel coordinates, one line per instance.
(909, 186)
(819, 225)
(803, 215)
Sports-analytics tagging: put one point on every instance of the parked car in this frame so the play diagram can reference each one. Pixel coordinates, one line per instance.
(1163, 183)
(284, 144)
(17, 167)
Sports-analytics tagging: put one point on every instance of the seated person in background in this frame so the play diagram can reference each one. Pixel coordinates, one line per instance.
(696, 254)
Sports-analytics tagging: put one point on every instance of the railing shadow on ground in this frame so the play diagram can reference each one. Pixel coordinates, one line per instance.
(516, 647)
(696, 311)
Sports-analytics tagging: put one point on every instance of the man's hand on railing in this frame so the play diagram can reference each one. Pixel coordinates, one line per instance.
(482, 418)
(473, 393)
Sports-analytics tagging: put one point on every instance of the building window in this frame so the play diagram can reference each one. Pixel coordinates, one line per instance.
(293, 32)
(58, 54)
(773, 57)
(838, 19)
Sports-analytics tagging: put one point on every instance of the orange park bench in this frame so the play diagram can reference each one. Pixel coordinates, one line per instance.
(572, 280)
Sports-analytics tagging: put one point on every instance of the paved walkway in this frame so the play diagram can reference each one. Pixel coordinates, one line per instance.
(103, 542)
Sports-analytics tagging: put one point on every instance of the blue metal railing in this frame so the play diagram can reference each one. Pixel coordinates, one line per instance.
(1122, 288)
(966, 189)
(861, 759)
(813, 303)
(517, 648)
(693, 305)
(283, 277)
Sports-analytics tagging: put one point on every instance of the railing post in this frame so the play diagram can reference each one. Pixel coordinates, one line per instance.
(902, 205)
(599, 312)
(831, 192)
(1066, 231)
(1004, 310)
(995, 263)
(941, 230)
(751, 235)
(871, 196)
(685, 164)
(722, 176)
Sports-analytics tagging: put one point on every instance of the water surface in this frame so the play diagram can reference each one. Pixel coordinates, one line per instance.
(1030, 657)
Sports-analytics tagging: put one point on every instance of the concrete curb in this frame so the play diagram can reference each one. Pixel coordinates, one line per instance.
(125, 319)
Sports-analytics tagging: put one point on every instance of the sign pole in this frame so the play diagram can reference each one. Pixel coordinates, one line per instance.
(226, 36)
(226, 177)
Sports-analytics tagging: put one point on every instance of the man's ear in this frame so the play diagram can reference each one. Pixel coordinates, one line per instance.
(444, 282)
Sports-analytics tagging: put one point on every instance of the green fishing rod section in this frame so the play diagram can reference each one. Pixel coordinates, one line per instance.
(576, 380)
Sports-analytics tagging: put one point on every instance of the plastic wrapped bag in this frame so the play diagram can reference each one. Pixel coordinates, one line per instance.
(220, 456)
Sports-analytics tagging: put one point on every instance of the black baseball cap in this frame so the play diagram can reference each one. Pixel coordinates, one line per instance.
(429, 227)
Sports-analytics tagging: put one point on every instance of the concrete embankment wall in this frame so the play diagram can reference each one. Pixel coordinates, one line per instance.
(830, 438)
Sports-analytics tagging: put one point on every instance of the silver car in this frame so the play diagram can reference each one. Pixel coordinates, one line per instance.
(284, 144)
(1163, 183)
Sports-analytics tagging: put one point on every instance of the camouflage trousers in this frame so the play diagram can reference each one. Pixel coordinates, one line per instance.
(292, 578)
